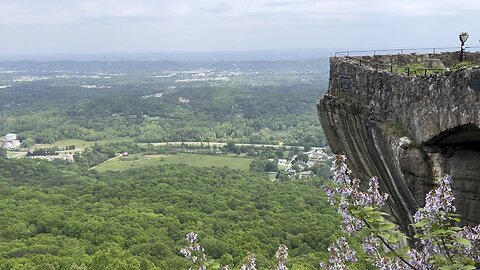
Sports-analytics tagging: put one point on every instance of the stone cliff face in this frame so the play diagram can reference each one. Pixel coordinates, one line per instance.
(407, 130)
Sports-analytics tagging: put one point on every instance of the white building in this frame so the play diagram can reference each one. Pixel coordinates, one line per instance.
(305, 174)
(10, 142)
(282, 162)
(10, 137)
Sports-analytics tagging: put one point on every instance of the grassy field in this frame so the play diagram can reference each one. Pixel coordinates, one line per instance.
(189, 159)
(76, 142)
(14, 154)
(79, 144)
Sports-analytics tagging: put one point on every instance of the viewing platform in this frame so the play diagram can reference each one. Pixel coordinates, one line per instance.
(414, 62)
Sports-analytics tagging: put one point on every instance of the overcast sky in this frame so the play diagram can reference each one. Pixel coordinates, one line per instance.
(106, 26)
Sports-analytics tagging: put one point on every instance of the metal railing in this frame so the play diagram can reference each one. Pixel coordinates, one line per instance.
(395, 68)
(400, 51)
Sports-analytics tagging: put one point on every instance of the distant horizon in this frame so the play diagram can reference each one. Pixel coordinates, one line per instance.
(180, 55)
(201, 55)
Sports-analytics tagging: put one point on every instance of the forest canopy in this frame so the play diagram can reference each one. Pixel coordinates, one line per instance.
(60, 219)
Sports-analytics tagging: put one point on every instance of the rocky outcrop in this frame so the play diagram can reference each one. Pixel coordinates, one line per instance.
(407, 130)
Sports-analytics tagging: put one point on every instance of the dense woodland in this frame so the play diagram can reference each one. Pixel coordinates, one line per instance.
(61, 215)
(55, 218)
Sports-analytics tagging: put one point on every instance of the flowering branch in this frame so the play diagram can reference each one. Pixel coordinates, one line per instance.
(249, 262)
(282, 254)
(194, 252)
(340, 255)
(439, 238)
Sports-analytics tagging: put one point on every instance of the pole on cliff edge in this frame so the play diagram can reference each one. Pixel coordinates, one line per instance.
(463, 36)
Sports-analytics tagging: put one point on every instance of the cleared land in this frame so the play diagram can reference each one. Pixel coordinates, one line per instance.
(79, 144)
(189, 159)
(14, 154)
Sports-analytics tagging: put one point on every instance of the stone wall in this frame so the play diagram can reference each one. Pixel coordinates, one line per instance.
(407, 130)
(449, 59)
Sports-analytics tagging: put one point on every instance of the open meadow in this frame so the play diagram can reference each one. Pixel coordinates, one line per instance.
(117, 164)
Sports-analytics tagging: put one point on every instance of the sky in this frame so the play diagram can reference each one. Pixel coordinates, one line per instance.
(142, 26)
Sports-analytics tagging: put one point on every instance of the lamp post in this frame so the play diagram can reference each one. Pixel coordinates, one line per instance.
(463, 36)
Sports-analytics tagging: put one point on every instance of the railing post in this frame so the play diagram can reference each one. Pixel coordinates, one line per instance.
(425, 72)
(408, 71)
(391, 68)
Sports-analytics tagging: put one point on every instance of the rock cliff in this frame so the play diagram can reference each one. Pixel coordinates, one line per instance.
(408, 126)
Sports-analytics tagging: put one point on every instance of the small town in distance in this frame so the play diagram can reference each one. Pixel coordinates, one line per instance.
(146, 114)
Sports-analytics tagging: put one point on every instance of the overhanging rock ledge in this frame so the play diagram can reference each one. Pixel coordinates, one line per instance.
(408, 126)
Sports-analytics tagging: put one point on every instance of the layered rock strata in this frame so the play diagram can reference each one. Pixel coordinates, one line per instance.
(407, 130)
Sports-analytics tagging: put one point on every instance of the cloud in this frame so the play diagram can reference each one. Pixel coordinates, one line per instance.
(68, 11)
(150, 25)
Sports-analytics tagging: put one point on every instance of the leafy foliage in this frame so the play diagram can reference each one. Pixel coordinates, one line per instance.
(440, 245)
(55, 218)
(415, 69)
(463, 64)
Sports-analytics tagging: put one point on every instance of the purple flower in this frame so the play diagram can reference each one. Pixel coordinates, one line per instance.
(472, 235)
(330, 195)
(385, 263)
(438, 202)
(420, 258)
(192, 237)
(250, 262)
(435, 219)
(341, 174)
(373, 248)
(375, 198)
(194, 252)
(370, 245)
(351, 223)
(282, 254)
(349, 193)
(340, 255)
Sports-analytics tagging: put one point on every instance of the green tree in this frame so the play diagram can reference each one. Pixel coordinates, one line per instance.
(282, 176)
(263, 165)
(226, 259)
(115, 258)
(271, 166)
(302, 157)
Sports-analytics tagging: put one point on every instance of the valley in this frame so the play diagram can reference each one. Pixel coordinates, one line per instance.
(118, 160)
